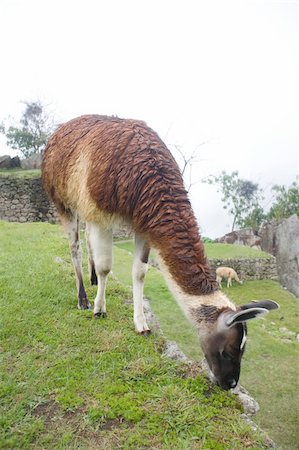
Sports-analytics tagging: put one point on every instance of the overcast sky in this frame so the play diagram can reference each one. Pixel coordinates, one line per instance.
(220, 73)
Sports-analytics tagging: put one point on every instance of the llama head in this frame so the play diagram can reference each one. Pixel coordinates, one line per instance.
(223, 339)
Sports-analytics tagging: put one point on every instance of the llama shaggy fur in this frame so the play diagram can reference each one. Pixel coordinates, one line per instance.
(109, 169)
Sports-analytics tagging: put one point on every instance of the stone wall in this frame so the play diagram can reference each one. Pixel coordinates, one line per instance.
(24, 200)
(281, 239)
(249, 269)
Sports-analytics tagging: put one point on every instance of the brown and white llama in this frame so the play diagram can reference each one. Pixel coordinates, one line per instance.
(106, 170)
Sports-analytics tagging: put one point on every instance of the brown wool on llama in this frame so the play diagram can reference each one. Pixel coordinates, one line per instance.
(106, 170)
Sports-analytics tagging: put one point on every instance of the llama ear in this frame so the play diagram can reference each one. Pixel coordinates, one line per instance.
(228, 319)
(267, 304)
(243, 315)
(249, 311)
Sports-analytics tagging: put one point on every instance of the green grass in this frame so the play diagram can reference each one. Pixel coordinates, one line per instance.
(270, 364)
(69, 381)
(229, 251)
(20, 173)
(226, 251)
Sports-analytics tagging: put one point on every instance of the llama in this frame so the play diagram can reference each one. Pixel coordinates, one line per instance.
(228, 273)
(107, 170)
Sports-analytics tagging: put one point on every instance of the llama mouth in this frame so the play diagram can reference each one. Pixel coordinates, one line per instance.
(226, 386)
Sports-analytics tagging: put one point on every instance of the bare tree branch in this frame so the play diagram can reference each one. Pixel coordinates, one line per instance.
(187, 164)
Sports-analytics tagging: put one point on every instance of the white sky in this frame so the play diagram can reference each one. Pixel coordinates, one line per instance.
(220, 72)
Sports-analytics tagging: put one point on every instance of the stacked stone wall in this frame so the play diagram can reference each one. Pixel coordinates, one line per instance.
(24, 200)
(249, 269)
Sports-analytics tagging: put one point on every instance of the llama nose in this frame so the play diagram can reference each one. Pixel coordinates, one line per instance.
(232, 383)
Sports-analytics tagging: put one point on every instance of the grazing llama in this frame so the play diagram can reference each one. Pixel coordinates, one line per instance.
(106, 170)
(227, 273)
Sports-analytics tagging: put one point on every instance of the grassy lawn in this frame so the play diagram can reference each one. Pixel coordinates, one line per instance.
(226, 251)
(233, 251)
(20, 173)
(270, 364)
(69, 381)
(270, 368)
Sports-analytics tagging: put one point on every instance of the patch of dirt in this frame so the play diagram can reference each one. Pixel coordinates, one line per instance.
(116, 423)
(96, 437)
(48, 410)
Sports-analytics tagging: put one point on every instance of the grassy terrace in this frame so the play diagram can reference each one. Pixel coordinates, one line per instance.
(69, 381)
(215, 250)
(19, 173)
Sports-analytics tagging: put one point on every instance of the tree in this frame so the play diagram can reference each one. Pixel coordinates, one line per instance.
(255, 218)
(187, 163)
(286, 202)
(240, 197)
(33, 131)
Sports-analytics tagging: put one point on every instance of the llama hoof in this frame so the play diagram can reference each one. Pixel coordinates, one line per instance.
(145, 333)
(84, 305)
(100, 314)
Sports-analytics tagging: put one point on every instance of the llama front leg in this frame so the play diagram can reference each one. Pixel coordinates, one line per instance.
(218, 279)
(100, 241)
(72, 230)
(138, 273)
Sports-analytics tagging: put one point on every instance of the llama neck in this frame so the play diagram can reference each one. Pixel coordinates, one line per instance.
(192, 304)
(182, 254)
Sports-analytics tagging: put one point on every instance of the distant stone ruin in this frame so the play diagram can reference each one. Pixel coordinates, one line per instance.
(245, 236)
(6, 162)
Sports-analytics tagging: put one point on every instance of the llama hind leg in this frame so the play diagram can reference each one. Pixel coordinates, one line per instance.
(91, 265)
(100, 241)
(72, 230)
(138, 273)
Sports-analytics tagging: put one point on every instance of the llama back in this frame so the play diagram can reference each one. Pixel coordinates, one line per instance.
(116, 166)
